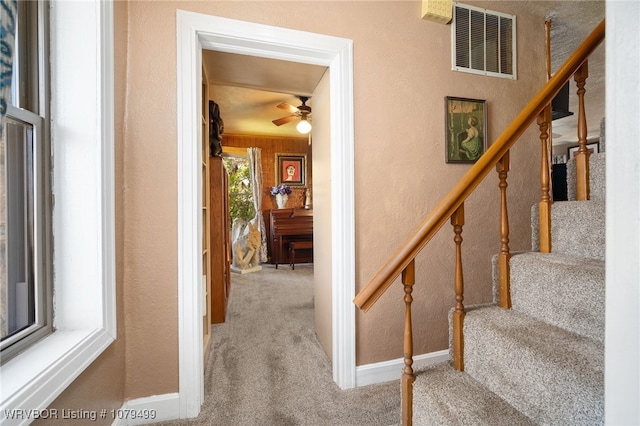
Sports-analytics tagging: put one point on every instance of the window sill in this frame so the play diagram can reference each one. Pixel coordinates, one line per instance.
(34, 378)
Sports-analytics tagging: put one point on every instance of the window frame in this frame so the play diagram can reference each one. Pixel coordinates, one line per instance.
(31, 106)
(83, 214)
(40, 269)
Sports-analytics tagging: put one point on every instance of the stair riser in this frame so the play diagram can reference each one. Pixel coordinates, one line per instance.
(578, 229)
(569, 295)
(448, 396)
(523, 363)
(597, 177)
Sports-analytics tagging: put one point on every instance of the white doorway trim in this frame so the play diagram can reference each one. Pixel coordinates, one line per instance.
(195, 32)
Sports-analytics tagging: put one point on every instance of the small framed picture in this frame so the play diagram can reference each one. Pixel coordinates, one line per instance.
(593, 148)
(466, 129)
(291, 169)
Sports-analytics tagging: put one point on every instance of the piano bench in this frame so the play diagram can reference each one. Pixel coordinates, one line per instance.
(293, 245)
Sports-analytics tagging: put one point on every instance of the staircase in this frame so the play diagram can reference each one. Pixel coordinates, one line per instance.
(541, 362)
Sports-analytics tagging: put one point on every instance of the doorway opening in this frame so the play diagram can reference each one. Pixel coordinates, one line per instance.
(195, 33)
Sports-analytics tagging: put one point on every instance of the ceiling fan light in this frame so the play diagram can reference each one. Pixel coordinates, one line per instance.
(304, 126)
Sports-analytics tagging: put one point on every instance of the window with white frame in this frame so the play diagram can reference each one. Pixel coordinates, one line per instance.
(483, 42)
(82, 224)
(25, 269)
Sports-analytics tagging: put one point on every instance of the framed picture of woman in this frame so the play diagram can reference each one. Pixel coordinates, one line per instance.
(291, 169)
(466, 129)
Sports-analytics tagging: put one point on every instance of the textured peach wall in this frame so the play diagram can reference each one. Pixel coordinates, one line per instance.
(401, 76)
(403, 73)
(151, 269)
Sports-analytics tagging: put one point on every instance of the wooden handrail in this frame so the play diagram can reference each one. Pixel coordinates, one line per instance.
(367, 297)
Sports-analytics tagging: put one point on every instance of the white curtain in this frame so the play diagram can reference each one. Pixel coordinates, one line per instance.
(8, 16)
(255, 170)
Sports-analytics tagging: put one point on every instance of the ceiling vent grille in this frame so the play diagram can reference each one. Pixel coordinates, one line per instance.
(483, 42)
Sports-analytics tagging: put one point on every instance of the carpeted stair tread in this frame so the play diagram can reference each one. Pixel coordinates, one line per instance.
(578, 228)
(451, 397)
(564, 291)
(550, 375)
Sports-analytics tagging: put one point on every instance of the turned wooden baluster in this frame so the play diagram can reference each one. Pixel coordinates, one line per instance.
(505, 255)
(408, 279)
(544, 206)
(582, 157)
(457, 220)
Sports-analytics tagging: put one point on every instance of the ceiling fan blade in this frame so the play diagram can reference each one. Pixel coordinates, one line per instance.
(288, 107)
(284, 120)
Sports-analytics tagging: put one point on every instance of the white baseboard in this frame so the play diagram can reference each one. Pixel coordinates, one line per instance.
(387, 371)
(150, 409)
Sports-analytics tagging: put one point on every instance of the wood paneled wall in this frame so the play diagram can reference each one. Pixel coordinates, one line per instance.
(271, 145)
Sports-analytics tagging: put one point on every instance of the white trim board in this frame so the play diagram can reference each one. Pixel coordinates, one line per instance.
(622, 321)
(387, 371)
(152, 409)
(195, 32)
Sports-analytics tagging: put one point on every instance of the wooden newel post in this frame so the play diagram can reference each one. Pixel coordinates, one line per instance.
(408, 279)
(504, 256)
(544, 206)
(457, 220)
(582, 157)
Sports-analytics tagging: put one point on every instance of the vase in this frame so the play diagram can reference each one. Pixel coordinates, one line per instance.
(281, 200)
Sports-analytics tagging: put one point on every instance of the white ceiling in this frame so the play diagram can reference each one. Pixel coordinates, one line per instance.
(248, 89)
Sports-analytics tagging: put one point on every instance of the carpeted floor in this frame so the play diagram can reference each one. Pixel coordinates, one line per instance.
(267, 367)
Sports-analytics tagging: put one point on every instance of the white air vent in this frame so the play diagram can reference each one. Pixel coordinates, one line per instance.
(483, 42)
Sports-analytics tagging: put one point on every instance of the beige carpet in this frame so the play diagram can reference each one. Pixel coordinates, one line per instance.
(267, 367)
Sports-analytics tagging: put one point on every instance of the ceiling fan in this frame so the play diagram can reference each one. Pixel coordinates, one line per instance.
(303, 112)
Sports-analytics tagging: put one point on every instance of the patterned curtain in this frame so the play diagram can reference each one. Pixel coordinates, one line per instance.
(255, 171)
(8, 15)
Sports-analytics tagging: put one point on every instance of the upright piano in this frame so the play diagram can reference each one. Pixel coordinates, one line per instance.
(287, 225)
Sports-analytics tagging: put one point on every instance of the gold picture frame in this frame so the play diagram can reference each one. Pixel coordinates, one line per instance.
(466, 129)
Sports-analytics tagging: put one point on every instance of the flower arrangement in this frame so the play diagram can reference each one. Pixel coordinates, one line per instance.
(281, 189)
